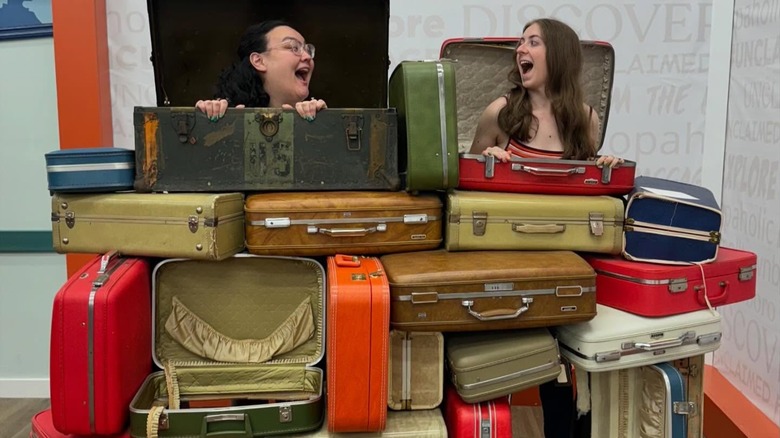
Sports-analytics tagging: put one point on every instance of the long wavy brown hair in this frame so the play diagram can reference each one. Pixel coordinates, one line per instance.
(564, 65)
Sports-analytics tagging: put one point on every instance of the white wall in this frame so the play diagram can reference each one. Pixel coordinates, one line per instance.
(28, 129)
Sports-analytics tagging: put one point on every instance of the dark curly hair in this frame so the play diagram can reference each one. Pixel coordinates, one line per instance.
(240, 83)
(564, 65)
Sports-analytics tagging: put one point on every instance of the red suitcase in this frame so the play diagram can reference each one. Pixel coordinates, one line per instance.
(489, 419)
(651, 289)
(43, 427)
(100, 349)
(358, 331)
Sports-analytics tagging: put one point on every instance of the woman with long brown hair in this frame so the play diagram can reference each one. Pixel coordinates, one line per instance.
(544, 115)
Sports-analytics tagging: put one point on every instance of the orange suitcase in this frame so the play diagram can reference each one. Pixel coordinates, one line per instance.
(358, 331)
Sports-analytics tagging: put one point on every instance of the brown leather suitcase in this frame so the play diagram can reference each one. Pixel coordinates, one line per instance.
(358, 317)
(488, 290)
(327, 223)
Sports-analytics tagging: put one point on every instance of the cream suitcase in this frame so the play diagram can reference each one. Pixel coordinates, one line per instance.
(503, 221)
(615, 339)
(416, 370)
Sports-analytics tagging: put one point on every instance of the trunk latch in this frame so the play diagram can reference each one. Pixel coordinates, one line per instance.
(596, 221)
(353, 131)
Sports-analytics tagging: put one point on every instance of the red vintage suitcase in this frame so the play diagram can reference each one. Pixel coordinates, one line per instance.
(651, 289)
(358, 330)
(43, 427)
(100, 349)
(489, 419)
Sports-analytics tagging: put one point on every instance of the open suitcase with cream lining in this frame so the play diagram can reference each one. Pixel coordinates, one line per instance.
(238, 341)
(481, 76)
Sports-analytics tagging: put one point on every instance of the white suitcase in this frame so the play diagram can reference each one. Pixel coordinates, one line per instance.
(615, 339)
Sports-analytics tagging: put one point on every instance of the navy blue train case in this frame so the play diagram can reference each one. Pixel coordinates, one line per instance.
(90, 170)
(670, 222)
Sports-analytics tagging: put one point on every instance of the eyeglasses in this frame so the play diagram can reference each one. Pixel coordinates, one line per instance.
(296, 47)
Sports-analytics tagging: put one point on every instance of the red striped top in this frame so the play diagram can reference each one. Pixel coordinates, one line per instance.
(522, 150)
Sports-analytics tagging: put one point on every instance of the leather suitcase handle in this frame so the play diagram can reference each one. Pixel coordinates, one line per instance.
(346, 261)
(538, 229)
(497, 314)
(346, 232)
(544, 171)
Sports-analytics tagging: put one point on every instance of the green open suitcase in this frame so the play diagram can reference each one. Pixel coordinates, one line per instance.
(209, 319)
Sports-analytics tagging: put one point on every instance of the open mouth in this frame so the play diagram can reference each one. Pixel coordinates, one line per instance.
(303, 74)
(526, 66)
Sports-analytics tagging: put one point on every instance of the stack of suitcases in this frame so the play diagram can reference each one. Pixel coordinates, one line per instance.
(264, 275)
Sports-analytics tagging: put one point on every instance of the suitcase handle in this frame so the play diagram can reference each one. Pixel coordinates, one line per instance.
(346, 232)
(660, 345)
(717, 299)
(346, 261)
(209, 419)
(544, 171)
(538, 229)
(496, 314)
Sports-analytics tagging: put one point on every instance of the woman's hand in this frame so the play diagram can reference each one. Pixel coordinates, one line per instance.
(308, 108)
(214, 109)
(499, 153)
(609, 160)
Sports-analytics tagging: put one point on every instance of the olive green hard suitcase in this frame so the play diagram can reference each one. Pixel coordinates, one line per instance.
(238, 341)
(487, 365)
(502, 221)
(192, 225)
(423, 93)
(179, 149)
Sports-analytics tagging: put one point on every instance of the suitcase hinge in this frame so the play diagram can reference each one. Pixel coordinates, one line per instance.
(353, 131)
(479, 219)
(485, 429)
(285, 414)
(55, 217)
(211, 222)
(596, 221)
(745, 274)
(606, 174)
(454, 218)
(192, 222)
(715, 237)
(677, 285)
(685, 408)
(70, 219)
(183, 123)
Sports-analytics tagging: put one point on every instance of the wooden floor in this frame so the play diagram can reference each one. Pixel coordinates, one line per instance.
(16, 413)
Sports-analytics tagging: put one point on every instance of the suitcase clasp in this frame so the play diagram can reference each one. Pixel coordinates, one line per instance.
(285, 414)
(606, 174)
(485, 429)
(746, 273)
(596, 221)
(70, 219)
(183, 122)
(192, 223)
(684, 408)
(677, 285)
(353, 131)
(269, 124)
(479, 219)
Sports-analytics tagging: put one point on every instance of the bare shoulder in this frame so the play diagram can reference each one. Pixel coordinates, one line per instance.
(488, 133)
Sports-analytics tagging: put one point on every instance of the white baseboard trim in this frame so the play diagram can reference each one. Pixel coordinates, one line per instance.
(24, 388)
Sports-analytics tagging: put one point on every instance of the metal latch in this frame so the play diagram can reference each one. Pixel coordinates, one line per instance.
(269, 124)
(677, 285)
(416, 218)
(708, 339)
(285, 414)
(162, 423)
(276, 222)
(746, 273)
(485, 429)
(596, 221)
(192, 222)
(608, 356)
(684, 408)
(606, 174)
(479, 219)
(490, 166)
(70, 219)
(353, 131)
(183, 122)
(715, 237)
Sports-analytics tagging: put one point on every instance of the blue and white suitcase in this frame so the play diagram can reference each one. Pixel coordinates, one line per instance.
(670, 222)
(90, 170)
(663, 400)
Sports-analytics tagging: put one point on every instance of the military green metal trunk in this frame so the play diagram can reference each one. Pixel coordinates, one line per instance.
(263, 149)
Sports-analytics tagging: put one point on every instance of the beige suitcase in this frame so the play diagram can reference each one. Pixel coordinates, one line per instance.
(416, 370)
(502, 221)
(195, 226)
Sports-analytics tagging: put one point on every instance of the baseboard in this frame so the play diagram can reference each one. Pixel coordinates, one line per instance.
(729, 414)
(24, 388)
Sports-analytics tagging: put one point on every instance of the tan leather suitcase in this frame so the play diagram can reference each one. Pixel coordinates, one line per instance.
(327, 223)
(499, 221)
(488, 290)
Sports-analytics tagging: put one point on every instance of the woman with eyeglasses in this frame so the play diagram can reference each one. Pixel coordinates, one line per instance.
(544, 115)
(273, 70)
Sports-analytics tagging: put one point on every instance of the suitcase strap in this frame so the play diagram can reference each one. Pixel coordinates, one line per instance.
(153, 421)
